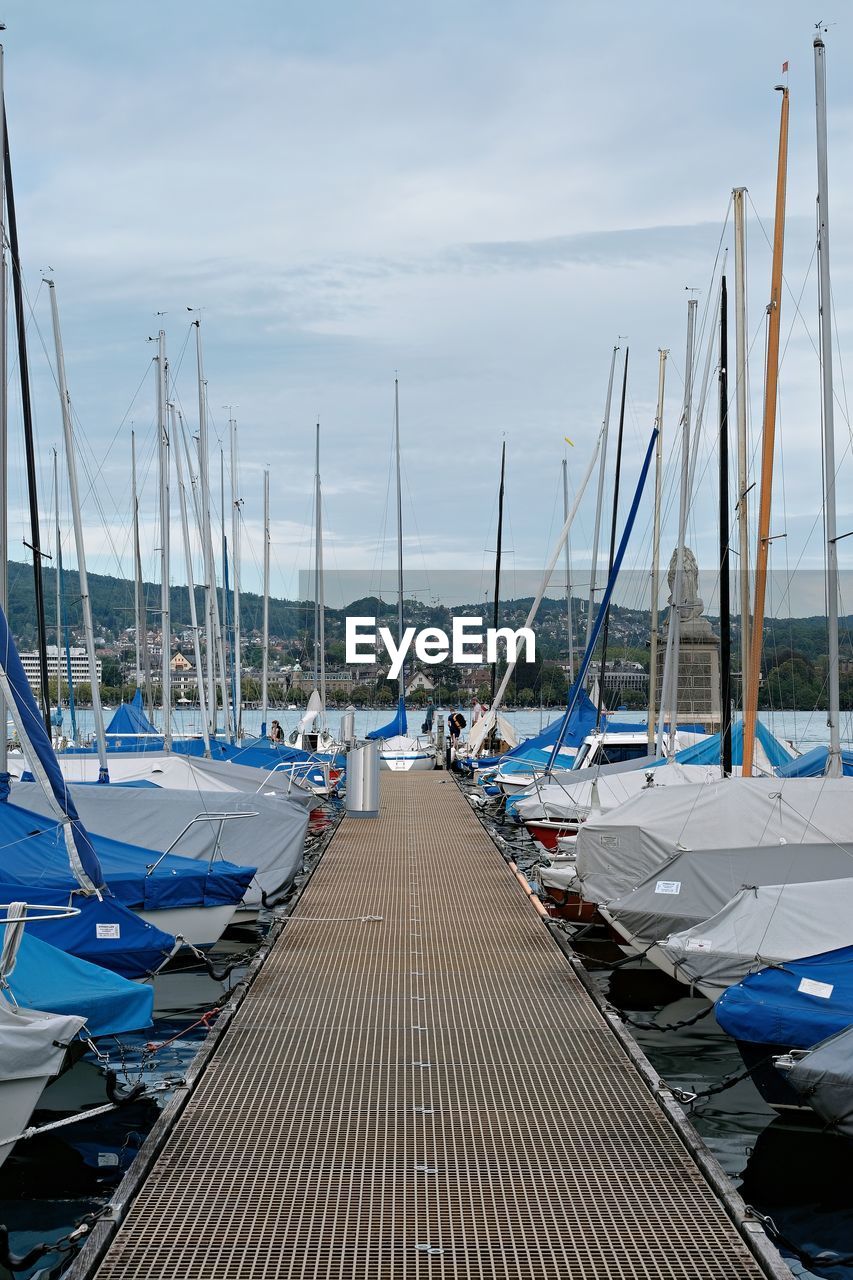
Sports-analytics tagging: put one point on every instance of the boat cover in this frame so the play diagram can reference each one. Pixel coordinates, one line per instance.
(46, 978)
(770, 753)
(812, 764)
(760, 926)
(130, 717)
(824, 1077)
(33, 1043)
(622, 847)
(794, 1005)
(695, 884)
(270, 837)
(573, 794)
(398, 727)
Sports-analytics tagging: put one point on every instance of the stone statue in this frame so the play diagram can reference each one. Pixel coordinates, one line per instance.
(690, 604)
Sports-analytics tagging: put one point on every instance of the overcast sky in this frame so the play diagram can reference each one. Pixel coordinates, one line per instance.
(480, 197)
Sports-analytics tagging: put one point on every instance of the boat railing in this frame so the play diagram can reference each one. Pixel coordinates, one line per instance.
(220, 818)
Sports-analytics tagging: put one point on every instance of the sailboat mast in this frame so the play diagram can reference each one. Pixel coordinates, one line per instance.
(27, 413)
(4, 418)
(496, 611)
(188, 557)
(599, 504)
(654, 620)
(79, 544)
(606, 628)
(207, 545)
(834, 763)
(165, 517)
(137, 586)
(742, 444)
(265, 643)
(399, 529)
(321, 589)
(768, 443)
(569, 621)
(725, 595)
(236, 503)
(58, 586)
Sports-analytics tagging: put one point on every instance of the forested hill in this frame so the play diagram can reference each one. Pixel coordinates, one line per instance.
(291, 620)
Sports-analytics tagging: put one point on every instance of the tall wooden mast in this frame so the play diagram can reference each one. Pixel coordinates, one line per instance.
(774, 313)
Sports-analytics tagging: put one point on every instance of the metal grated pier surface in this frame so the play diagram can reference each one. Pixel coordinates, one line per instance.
(430, 1094)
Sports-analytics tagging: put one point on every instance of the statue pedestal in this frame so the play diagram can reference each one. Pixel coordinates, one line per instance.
(698, 675)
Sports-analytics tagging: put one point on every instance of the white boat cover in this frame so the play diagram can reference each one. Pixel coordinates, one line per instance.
(480, 730)
(824, 1077)
(184, 773)
(33, 1044)
(577, 793)
(696, 884)
(313, 709)
(272, 840)
(763, 925)
(622, 847)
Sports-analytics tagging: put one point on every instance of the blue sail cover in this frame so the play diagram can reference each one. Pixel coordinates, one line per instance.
(812, 764)
(52, 980)
(34, 736)
(105, 932)
(398, 727)
(795, 1005)
(708, 750)
(130, 717)
(573, 726)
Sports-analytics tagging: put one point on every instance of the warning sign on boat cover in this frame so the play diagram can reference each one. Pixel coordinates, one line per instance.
(668, 886)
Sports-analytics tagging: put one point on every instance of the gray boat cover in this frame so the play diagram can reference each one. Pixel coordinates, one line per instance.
(824, 1077)
(621, 848)
(761, 926)
(696, 884)
(577, 794)
(272, 841)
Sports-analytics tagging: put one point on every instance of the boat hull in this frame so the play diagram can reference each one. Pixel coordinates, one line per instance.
(407, 761)
(201, 926)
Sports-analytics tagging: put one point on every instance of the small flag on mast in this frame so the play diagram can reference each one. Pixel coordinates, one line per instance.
(784, 67)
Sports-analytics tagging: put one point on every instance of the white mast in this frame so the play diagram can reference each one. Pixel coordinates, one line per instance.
(71, 462)
(669, 687)
(137, 586)
(165, 516)
(602, 469)
(319, 585)
(655, 601)
(58, 571)
(399, 528)
(569, 622)
(211, 619)
(834, 763)
(235, 561)
(265, 659)
(742, 443)
(188, 556)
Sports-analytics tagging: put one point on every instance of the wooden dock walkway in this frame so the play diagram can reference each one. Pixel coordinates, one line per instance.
(417, 1084)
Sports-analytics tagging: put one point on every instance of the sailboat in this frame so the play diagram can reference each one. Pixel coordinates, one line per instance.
(398, 751)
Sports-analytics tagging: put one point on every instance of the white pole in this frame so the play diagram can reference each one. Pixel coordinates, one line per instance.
(210, 607)
(742, 444)
(655, 600)
(265, 660)
(137, 586)
(235, 561)
(569, 621)
(599, 505)
(165, 518)
(491, 715)
(669, 689)
(321, 588)
(188, 556)
(71, 462)
(58, 571)
(834, 762)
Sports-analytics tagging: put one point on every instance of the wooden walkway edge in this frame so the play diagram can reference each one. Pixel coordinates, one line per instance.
(418, 1084)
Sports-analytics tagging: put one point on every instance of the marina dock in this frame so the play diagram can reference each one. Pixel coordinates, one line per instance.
(418, 1083)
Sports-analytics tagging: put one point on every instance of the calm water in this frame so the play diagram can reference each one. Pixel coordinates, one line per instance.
(804, 1179)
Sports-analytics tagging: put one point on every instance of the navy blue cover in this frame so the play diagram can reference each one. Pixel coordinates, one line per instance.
(139, 950)
(130, 717)
(398, 727)
(768, 1007)
(32, 851)
(52, 980)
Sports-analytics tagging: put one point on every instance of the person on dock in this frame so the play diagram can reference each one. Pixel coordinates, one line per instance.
(456, 722)
(276, 732)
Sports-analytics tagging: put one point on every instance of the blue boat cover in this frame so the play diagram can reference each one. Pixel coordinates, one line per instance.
(105, 932)
(578, 724)
(812, 764)
(708, 750)
(52, 980)
(130, 717)
(32, 852)
(36, 739)
(398, 727)
(795, 1005)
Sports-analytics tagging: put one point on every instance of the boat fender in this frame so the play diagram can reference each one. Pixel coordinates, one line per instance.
(119, 1097)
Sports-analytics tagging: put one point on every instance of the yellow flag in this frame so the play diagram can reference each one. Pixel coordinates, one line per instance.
(568, 441)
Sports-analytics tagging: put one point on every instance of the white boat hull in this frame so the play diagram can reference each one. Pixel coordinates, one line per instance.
(407, 761)
(202, 926)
